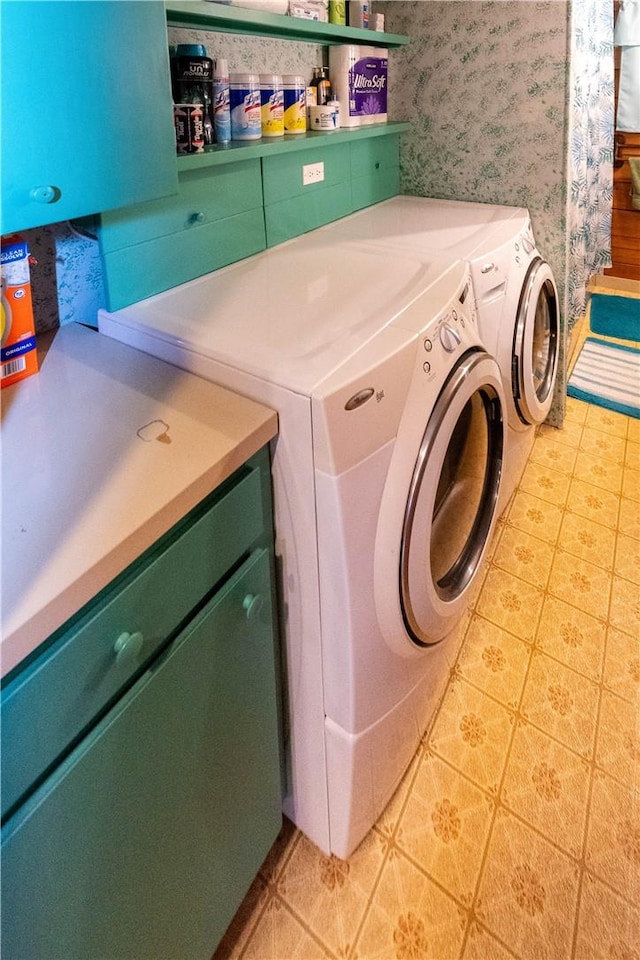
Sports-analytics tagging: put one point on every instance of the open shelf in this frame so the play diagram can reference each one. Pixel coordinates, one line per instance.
(271, 146)
(206, 15)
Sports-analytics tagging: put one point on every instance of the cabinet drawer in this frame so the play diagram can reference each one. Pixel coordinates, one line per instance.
(291, 207)
(375, 170)
(215, 220)
(52, 701)
(134, 273)
(282, 176)
(204, 197)
(369, 156)
(290, 218)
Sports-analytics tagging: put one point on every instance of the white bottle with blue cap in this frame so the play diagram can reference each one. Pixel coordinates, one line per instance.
(221, 109)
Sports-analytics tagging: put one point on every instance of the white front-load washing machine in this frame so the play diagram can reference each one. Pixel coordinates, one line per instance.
(386, 471)
(514, 288)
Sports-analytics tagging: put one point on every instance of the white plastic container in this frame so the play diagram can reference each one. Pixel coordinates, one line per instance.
(221, 104)
(295, 103)
(325, 118)
(244, 100)
(272, 105)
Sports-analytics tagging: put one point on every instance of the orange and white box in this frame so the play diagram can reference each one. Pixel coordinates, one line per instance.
(18, 355)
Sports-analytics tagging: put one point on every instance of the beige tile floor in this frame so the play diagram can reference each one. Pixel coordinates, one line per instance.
(516, 831)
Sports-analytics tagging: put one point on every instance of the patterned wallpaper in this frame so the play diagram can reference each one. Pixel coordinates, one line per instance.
(512, 102)
(484, 85)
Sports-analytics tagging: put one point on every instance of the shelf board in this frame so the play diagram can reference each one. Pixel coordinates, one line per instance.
(206, 15)
(271, 146)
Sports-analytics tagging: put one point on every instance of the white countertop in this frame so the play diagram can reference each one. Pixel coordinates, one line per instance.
(102, 452)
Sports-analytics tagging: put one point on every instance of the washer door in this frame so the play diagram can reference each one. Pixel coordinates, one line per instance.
(450, 509)
(535, 344)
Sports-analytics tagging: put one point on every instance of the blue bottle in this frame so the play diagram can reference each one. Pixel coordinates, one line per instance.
(221, 111)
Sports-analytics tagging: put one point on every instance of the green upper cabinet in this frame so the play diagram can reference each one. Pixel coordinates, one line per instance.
(86, 108)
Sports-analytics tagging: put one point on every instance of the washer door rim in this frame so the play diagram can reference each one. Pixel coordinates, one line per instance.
(410, 628)
(531, 407)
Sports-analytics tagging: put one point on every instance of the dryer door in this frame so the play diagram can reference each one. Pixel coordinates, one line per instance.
(451, 508)
(535, 344)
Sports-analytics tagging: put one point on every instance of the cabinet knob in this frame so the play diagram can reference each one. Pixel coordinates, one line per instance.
(253, 604)
(48, 194)
(197, 218)
(127, 648)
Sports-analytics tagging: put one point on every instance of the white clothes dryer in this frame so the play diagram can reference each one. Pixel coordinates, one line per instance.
(386, 470)
(514, 288)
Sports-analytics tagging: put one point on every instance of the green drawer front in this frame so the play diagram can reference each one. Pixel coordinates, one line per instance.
(370, 156)
(51, 702)
(290, 218)
(204, 196)
(134, 273)
(282, 175)
(378, 186)
(375, 170)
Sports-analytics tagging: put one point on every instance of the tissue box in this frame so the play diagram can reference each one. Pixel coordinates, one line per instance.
(18, 356)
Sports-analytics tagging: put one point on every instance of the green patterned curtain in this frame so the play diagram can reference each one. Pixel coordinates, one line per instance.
(591, 130)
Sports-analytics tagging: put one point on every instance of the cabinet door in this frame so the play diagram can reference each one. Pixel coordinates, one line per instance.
(146, 839)
(86, 109)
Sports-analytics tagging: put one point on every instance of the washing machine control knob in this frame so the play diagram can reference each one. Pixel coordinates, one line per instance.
(449, 337)
(528, 244)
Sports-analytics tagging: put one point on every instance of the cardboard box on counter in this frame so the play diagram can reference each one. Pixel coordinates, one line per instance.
(18, 356)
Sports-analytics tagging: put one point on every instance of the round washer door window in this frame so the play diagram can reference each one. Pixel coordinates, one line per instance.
(536, 340)
(453, 498)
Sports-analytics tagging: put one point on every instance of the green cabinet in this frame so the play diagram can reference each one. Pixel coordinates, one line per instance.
(142, 837)
(86, 109)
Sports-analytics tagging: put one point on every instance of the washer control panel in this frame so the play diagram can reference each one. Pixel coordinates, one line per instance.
(450, 334)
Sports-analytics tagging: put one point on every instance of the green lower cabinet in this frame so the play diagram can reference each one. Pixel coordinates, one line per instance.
(144, 841)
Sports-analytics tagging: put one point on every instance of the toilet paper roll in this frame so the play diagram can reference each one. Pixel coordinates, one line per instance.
(359, 79)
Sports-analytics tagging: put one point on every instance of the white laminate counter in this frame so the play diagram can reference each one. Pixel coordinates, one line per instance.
(102, 452)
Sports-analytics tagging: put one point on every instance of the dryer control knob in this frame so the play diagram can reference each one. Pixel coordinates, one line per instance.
(449, 337)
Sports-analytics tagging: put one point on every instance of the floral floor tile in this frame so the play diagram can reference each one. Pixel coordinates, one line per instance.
(588, 540)
(528, 891)
(622, 666)
(608, 925)
(535, 516)
(594, 503)
(548, 786)
(445, 826)
(572, 636)
(409, 916)
(495, 661)
(510, 603)
(524, 556)
(561, 703)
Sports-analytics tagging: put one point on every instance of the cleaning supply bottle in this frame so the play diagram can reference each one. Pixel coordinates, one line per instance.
(192, 81)
(221, 108)
(323, 87)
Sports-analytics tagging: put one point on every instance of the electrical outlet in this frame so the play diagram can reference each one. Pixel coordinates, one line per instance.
(312, 173)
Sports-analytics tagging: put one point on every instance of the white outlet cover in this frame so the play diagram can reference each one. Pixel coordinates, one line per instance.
(312, 173)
